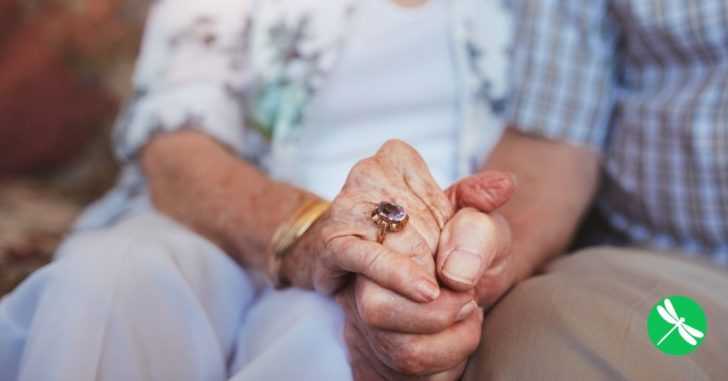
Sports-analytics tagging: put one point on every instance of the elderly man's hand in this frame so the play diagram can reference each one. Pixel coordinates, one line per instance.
(481, 261)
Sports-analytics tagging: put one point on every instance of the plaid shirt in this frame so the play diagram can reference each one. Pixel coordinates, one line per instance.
(645, 82)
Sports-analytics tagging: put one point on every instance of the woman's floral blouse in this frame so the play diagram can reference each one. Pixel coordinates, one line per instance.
(244, 70)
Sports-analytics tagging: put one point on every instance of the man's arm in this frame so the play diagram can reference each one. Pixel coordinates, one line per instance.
(560, 100)
(562, 76)
(556, 183)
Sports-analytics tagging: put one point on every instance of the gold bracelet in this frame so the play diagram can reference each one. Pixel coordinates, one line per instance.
(289, 232)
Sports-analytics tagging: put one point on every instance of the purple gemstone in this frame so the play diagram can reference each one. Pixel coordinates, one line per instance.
(392, 212)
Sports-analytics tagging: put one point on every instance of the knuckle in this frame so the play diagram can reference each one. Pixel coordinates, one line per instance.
(350, 334)
(423, 247)
(395, 144)
(372, 306)
(370, 315)
(399, 148)
(472, 341)
(407, 359)
(408, 271)
(491, 288)
(443, 318)
(439, 320)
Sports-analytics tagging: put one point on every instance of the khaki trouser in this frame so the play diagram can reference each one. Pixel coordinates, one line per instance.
(585, 318)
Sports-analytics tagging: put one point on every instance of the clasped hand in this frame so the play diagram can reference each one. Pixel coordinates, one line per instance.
(414, 302)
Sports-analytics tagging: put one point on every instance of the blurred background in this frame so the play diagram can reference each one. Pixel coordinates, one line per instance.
(65, 68)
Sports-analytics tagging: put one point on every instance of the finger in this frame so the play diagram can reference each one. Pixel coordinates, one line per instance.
(383, 309)
(350, 215)
(428, 354)
(485, 191)
(496, 279)
(468, 245)
(411, 242)
(424, 186)
(392, 270)
(450, 374)
(373, 346)
(366, 366)
(417, 176)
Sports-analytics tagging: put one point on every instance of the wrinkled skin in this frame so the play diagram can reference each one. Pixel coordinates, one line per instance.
(411, 302)
(485, 192)
(343, 240)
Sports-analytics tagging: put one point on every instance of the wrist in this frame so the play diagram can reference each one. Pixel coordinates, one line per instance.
(297, 266)
(252, 217)
(293, 238)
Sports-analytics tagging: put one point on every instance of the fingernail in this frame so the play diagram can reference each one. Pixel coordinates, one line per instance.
(462, 266)
(428, 291)
(466, 311)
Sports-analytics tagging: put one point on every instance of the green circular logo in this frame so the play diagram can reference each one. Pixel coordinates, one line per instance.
(677, 325)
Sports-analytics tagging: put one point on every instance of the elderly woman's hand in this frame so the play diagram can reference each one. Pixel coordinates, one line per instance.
(344, 240)
(399, 323)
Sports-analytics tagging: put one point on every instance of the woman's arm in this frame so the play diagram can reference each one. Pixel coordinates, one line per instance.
(192, 76)
(559, 125)
(201, 184)
(184, 128)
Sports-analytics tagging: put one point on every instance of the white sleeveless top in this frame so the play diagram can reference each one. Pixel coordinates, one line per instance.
(394, 79)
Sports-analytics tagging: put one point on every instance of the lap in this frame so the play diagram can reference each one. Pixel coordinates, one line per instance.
(295, 327)
(585, 316)
(148, 288)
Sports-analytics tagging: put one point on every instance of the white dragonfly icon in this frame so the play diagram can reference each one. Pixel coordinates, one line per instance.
(687, 332)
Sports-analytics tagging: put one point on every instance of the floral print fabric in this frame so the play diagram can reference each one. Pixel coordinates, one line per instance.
(244, 71)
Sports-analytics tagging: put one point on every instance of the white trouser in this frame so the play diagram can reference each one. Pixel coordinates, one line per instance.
(147, 299)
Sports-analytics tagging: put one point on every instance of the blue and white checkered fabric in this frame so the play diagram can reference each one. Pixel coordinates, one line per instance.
(645, 82)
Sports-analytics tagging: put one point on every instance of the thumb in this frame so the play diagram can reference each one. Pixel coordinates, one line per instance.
(470, 242)
(485, 191)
